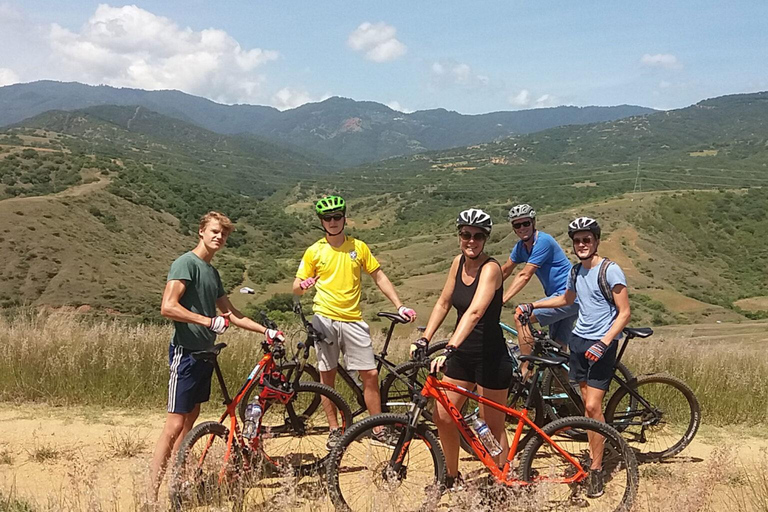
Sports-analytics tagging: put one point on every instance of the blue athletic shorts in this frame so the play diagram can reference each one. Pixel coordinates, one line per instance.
(595, 374)
(559, 320)
(190, 380)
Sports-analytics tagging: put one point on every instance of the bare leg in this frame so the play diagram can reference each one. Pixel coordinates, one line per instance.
(189, 422)
(329, 379)
(174, 425)
(496, 419)
(593, 408)
(446, 428)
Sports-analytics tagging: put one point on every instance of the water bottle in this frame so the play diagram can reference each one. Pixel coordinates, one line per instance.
(514, 351)
(252, 416)
(486, 436)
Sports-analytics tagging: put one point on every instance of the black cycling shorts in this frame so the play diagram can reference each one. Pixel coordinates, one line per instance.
(595, 374)
(490, 371)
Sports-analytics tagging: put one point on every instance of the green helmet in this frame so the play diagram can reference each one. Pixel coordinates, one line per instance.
(330, 204)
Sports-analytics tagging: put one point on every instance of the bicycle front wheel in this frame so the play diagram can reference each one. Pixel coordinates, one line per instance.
(365, 474)
(206, 473)
(293, 436)
(666, 427)
(552, 473)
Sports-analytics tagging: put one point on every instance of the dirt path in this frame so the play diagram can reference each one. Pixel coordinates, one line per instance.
(77, 190)
(70, 459)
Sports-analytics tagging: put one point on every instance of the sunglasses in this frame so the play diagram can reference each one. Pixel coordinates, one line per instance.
(477, 237)
(586, 240)
(524, 224)
(335, 216)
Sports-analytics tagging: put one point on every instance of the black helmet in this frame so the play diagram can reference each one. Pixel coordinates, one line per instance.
(476, 218)
(584, 224)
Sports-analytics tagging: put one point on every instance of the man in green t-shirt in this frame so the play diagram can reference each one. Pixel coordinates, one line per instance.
(192, 294)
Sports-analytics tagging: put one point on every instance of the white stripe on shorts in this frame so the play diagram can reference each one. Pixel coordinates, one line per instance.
(178, 351)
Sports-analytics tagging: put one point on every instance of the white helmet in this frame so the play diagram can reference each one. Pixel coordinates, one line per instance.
(476, 218)
(584, 224)
(521, 211)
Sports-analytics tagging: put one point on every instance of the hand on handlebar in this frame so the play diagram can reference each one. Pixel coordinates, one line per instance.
(406, 313)
(419, 349)
(274, 335)
(439, 361)
(308, 283)
(524, 310)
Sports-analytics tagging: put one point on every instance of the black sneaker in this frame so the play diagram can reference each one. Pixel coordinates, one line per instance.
(333, 438)
(595, 483)
(384, 437)
(454, 483)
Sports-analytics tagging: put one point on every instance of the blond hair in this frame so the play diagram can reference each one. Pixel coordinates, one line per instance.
(226, 224)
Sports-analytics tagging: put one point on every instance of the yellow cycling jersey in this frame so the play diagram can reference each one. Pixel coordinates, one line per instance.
(337, 270)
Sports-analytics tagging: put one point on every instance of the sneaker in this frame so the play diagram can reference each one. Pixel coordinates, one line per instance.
(595, 484)
(333, 438)
(384, 437)
(454, 483)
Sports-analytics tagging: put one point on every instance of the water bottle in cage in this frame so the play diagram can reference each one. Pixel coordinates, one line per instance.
(486, 436)
(252, 416)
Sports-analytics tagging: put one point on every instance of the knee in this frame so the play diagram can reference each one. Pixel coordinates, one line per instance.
(442, 419)
(593, 408)
(369, 376)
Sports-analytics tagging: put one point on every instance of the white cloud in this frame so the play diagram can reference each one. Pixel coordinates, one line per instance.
(377, 41)
(395, 105)
(131, 47)
(521, 99)
(662, 60)
(8, 77)
(287, 98)
(524, 99)
(664, 84)
(451, 73)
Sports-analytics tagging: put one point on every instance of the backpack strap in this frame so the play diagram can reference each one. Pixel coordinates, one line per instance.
(574, 272)
(602, 281)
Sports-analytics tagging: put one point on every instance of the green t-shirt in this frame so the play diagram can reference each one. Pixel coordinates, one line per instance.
(203, 288)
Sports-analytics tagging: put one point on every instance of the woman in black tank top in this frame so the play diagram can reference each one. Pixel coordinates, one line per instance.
(479, 353)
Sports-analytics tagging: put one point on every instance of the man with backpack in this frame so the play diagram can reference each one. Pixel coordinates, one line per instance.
(604, 312)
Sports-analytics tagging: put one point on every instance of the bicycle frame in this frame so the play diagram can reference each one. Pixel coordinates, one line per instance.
(434, 388)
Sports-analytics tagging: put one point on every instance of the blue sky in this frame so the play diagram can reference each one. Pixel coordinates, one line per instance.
(471, 57)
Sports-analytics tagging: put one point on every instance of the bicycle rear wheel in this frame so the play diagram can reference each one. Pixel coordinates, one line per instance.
(293, 436)
(543, 465)
(360, 472)
(201, 476)
(664, 429)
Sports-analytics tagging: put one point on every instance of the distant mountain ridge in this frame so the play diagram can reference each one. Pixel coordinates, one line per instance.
(349, 131)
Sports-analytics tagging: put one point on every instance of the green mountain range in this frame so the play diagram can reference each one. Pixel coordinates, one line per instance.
(350, 132)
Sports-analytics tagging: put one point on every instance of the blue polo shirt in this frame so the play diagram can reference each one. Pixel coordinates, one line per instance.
(546, 253)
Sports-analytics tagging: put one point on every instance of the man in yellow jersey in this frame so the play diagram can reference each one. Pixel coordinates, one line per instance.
(333, 265)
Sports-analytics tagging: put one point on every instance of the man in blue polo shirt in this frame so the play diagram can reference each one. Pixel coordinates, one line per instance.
(542, 256)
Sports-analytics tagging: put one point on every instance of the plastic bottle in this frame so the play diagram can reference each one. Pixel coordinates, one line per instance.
(252, 416)
(514, 351)
(486, 436)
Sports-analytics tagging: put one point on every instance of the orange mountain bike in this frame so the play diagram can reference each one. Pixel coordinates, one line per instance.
(216, 464)
(554, 464)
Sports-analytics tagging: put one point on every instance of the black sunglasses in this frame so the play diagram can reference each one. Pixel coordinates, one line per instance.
(586, 240)
(330, 217)
(477, 237)
(524, 224)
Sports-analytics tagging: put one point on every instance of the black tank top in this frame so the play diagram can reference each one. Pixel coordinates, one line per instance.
(486, 337)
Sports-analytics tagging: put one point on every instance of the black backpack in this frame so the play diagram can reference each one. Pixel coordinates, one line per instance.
(602, 280)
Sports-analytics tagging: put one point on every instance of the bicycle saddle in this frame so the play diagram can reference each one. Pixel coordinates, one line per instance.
(639, 332)
(208, 355)
(546, 361)
(394, 317)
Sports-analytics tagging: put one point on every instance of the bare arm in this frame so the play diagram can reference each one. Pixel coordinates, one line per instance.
(560, 301)
(443, 304)
(296, 288)
(520, 280)
(490, 281)
(507, 268)
(385, 285)
(237, 318)
(171, 308)
(621, 299)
